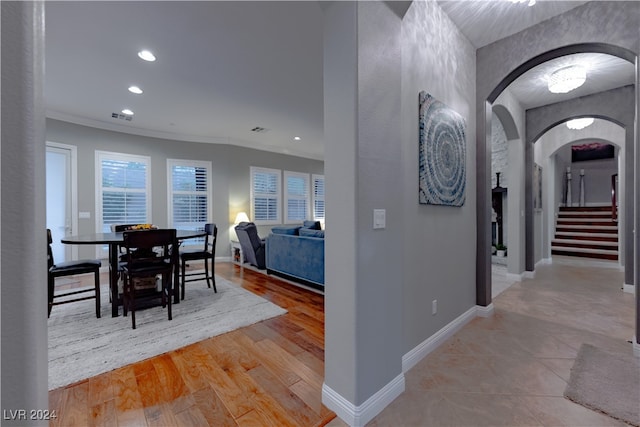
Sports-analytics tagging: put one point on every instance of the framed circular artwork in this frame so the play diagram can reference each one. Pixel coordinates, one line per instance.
(442, 154)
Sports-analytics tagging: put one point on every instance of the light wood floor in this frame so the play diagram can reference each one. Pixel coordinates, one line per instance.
(267, 374)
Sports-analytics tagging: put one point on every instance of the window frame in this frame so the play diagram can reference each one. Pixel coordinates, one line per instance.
(286, 196)
(100, 156)
(207, 166)
(253, 170)
(314, 197)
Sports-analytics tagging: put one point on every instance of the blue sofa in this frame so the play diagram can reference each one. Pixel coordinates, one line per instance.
(297, 253)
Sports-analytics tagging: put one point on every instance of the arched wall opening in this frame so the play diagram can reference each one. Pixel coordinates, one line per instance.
(554, 143)
(499, 64)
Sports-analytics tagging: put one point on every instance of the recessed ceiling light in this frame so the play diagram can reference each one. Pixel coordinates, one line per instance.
(577, 124)
(297, 138)
(146, 55)
(127, 112)
(135, 89)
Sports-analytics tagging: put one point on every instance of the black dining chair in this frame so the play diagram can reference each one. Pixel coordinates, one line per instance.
(71, 268)
(143, 263)
(207, 253)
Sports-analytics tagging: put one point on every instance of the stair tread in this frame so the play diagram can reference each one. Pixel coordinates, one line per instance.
(585, 250)
(586, 242)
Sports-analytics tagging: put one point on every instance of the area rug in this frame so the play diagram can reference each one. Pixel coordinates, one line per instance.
(606, 382)
(82, 346)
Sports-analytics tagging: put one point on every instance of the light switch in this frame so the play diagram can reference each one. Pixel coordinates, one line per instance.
(84, 215)
(379, 218)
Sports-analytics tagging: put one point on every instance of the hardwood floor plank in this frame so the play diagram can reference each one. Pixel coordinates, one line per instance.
(75, 405)
(286, 398)
(103, 414)
(267, 374)
(212, 408)
(229, 393)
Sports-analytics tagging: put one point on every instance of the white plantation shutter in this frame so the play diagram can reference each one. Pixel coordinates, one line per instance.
(296, 196)
(318, 197)
(123, 191)
(189, 194)
(265, 195)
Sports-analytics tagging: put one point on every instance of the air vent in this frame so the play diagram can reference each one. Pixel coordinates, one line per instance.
(259, 129)
(121, 116)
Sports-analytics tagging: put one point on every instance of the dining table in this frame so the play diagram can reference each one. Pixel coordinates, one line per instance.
(115, 240)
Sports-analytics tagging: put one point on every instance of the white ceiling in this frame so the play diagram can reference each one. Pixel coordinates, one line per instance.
(224, 68)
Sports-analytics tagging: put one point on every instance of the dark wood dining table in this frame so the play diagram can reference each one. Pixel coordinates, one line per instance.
(115, 240)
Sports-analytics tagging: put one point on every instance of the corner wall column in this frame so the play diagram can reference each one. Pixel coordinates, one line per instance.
(23, 308)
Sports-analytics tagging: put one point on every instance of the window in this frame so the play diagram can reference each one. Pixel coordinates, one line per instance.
(318, 197)
(296, 207)
(189, 195)
(265, 195)
(123, 191)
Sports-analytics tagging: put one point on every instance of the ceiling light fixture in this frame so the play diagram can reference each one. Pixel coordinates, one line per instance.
(147, 55)
(127, 112)
(135, 89)
(567, 79)
(297, 138)
(577, 124)
(531, 2)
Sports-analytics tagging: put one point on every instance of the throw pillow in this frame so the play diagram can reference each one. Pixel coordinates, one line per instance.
(313, 225)
(307, 232)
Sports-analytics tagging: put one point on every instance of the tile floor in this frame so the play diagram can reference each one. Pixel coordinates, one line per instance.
(511, 369)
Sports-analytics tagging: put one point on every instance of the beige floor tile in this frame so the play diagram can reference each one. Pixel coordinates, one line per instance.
(511, 369)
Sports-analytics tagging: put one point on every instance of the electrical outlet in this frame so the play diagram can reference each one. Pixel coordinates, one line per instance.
(434, 306)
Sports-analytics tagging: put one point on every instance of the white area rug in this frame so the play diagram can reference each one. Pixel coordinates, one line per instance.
(82, 346)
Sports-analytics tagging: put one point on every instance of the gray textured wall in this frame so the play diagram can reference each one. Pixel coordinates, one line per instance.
(230, 173)
(439, 241)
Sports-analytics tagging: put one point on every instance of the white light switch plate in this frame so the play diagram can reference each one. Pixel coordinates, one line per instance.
(84, 215)
(379, 218)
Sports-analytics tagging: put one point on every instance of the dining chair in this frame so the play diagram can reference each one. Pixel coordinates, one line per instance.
(144, 262)
(207, 253)
(71, 268)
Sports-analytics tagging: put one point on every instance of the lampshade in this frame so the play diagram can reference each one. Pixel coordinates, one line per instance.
(567, 79)
(241, 217)
(578, 124)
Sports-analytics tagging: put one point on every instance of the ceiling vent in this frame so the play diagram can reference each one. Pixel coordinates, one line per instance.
(259, 129)
(121, 116)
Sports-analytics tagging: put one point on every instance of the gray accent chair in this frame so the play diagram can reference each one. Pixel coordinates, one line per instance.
(253, 247)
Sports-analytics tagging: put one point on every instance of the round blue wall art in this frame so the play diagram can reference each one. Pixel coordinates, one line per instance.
(442, 154)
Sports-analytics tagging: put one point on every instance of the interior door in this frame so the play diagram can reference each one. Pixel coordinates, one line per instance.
(60, 194)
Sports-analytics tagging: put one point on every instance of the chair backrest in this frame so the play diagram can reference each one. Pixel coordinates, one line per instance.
(50, 262)
(140, 245)
(211, 238)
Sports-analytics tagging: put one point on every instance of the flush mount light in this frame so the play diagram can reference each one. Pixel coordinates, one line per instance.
(567, 79)
(135, 89)
(531, 2)
(147, 55)
(577, 124)
(297, 138)
(127, 112)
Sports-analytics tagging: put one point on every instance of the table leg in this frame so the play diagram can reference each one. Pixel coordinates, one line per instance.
(113, 278)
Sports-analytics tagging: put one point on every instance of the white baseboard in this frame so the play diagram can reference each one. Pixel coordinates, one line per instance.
(357, 416)
(529, 274)
(636, 347)
(544, 261)
(411, 358)
(629, 289)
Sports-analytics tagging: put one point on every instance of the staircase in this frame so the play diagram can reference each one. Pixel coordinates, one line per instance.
(586, 232)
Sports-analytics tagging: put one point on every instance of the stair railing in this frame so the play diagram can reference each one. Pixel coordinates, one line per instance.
(614, 203)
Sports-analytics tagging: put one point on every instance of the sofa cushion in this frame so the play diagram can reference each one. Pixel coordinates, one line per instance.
(307, 232)
(292, 230)
(313, 225)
